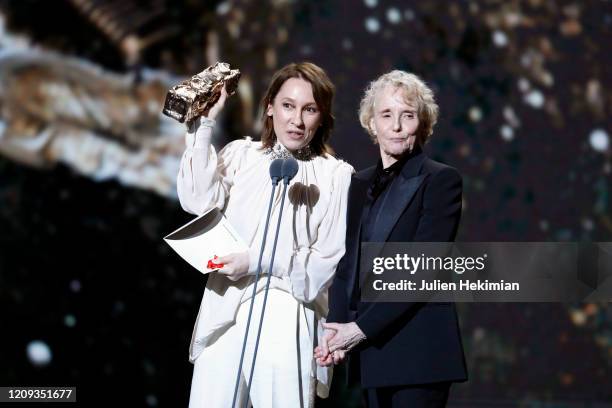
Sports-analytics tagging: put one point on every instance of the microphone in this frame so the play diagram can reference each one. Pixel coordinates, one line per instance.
(289, 170)
(276, 170)
(276, 174)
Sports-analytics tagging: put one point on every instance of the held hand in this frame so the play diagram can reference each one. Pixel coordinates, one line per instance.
(326, 361)
(235, 265)
(347, 336)
(218, 106)
(339, 356)
(321, 353)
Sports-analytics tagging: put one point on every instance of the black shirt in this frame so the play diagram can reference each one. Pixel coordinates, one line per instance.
(377, 193)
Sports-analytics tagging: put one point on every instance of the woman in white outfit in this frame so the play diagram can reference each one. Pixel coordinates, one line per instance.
(297, 122)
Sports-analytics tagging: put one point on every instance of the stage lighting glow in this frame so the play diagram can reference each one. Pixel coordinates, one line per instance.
(393, 15)
(535, 99)
(372, 25)
(69, 320)
(599, 139)
(38, 353)
(507, 133)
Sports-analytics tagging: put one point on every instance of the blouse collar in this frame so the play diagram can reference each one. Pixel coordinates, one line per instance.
(279, 151)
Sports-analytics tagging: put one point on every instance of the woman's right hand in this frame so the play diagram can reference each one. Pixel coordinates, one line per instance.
(218, 106)
(235, 265)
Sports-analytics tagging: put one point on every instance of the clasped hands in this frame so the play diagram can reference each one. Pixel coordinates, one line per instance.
(337, 341)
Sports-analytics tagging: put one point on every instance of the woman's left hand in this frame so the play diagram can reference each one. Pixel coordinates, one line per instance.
(346, 336)
(218, 106)
(235, 265)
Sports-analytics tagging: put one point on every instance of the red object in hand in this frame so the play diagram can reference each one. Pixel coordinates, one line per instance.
(212, 265)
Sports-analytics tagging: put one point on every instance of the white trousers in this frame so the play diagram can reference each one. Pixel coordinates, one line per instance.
(282, 376)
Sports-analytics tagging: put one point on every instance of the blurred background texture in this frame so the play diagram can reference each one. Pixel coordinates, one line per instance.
(91, 296)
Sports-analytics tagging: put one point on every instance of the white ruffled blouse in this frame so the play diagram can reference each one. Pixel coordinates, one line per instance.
(311, 238)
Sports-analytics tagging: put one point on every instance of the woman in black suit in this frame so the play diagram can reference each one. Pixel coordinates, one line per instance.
(405, 354)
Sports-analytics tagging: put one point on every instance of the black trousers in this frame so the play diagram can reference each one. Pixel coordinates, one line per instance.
(409, 396)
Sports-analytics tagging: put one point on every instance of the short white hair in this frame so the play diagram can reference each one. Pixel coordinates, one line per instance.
(416, 92)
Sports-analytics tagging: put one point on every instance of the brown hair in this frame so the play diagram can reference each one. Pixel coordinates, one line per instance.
(323, 91)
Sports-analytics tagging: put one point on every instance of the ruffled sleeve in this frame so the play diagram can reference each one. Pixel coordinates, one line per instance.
(205, 178)
(312, 268)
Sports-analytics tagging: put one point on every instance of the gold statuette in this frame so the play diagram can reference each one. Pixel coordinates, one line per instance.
(194, 97)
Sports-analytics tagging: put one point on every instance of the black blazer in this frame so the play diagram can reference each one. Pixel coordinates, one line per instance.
(407, 343)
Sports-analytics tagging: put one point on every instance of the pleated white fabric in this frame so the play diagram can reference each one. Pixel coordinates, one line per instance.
(282, 376)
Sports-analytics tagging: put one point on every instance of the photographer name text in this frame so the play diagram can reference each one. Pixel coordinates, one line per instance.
(438, 285)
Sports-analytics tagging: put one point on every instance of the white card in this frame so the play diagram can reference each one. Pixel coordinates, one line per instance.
(201, 239)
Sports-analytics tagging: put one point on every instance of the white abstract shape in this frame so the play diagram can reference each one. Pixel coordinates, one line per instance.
(599, 140)
(511, 117)
(372, 25)
(38, 353)
(523, 85)
(475, 114)
(507, 133)
(500, 39)
(223, 8)
(394, 16)
(535, 99)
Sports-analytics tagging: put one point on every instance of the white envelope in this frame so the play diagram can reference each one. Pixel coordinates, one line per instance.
(201, 239)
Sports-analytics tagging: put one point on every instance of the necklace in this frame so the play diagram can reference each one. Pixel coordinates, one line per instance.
(278, 151)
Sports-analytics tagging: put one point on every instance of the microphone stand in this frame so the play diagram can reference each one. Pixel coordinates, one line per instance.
(275, 175)
(289, 170)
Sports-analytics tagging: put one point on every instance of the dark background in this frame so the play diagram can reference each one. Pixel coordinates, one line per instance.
(83, 267)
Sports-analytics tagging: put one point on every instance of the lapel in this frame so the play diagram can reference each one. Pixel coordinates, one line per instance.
(401, 192)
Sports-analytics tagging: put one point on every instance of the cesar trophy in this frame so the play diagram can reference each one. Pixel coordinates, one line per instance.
(194, 97)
